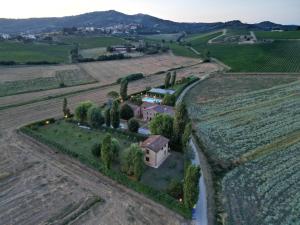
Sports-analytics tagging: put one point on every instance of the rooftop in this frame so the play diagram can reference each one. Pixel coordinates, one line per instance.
(161, 91)
(155, 142)
(159, 108)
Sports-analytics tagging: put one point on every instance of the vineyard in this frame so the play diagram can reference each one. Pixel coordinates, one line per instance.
(278, 35)
(238, 125)
(270, 187)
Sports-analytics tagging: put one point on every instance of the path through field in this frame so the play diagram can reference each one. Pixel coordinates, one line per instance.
(223, 34)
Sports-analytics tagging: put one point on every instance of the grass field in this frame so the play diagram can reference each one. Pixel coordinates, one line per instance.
(250, 130)
(184, 51)
(93, 42)
(160, 37)
(60, 79)
(278, 35)
(32, 52)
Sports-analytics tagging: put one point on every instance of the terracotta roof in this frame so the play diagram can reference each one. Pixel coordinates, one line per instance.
(147, 104)
(155, 142)
(161, 109)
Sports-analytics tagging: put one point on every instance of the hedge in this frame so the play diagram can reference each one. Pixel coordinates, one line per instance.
(158, 196)
(131, 77)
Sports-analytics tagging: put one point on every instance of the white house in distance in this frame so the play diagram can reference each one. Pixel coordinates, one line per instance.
(156, 150)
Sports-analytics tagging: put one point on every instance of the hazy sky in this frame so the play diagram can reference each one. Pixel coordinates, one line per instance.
(281, 11)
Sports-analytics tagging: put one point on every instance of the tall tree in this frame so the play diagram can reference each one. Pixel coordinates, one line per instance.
(115, 114)
(107, 117)
(180, 121)
(169, 100)
(186, 135)
(191, 186)
(65, 106)
(167, 80)
(81, 111)
(133, 163)
(162, 124)
(133, 125)
(126, 112)
(106, 151)
(123, 89)
(94, 117)
(173, 79)
(115, 149)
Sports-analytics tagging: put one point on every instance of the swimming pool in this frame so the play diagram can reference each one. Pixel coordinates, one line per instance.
(151, 100)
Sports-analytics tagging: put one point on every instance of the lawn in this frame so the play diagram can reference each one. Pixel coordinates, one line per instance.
(278, 35)
(62, 78)
(33, 52)
(93, 42)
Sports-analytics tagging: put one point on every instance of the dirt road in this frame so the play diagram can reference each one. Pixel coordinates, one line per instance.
(39, 186)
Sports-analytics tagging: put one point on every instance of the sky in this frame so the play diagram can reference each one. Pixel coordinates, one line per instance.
(252, 11)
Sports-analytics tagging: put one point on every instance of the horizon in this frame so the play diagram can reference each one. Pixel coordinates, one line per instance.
(177, 11)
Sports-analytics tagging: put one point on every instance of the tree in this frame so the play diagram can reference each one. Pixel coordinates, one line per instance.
(115, 115)
(186, 134)
(81, 111)
(167, 80)
(126, 112)
(96, 150)
(173, 79)
(113, 95)
(133, 163)
(162, 124)
(106, 151)
(107, 117)
(123, 89)
(180, 121)
(175, 189)
(115, 149)
(169, 100)
(94, 117)
(191, 186)
(133, 125)
(206, 56)
(66, 110)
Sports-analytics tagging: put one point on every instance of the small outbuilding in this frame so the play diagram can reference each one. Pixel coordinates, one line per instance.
(156, 150)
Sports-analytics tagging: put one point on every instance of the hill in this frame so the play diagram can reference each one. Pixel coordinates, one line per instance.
(146, 23)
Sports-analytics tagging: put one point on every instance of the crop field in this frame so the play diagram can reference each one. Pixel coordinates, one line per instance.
(166, 37)
(184, 51)
(277, 35)
(66, 78)
(270, 187)
(32, 52)
(278, 56)
(93, 42)
(251, 123)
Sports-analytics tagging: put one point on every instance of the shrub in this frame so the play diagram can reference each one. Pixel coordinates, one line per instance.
(169, 100)
(81, 111)
(191, 186)
(133, 125)
(126, 112)
(96, 150)
(175, 189)
(162, 124)
(131, 77)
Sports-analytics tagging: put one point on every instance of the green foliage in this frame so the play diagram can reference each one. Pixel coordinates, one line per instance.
(206, 55)
(132, 162)
(186, 134)
(115, 114)
(180, 121)
(162, 124)
(113, 94)
(191, 186)
(167, 80)
(107, 117)
(126, 112)
(131, 77)
(169, 100)
(115, 149)
(133, 125)
(277, 35)
(94, 117)
(106, 151)
(175, 189)
(123, 89)
(81, 111)
(96, 150)
(173, 79)
(136, 99)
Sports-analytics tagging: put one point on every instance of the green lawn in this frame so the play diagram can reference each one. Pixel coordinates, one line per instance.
(93, 42)
(24, 52)
(278, 35)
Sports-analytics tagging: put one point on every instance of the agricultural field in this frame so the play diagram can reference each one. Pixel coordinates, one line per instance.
(34, 52)
(250, 129)
(59, 79)
(286, 35)
(92, 42)
(160, 37)
(184, 51)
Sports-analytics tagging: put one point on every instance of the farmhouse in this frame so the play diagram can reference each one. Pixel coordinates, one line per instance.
(149, 110)
(156, 150)
(136, 110)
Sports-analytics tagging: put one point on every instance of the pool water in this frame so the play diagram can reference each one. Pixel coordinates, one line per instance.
(151, 100)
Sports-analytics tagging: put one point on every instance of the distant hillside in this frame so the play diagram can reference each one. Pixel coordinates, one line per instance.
(147, 24)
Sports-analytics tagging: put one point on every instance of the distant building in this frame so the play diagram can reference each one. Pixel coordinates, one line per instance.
(150, 110)
(156, 150)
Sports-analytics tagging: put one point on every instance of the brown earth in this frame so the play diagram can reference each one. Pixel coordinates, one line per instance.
(38, 185)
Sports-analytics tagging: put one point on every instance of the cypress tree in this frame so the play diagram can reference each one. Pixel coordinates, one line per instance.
(173, 79)
(180, 121)
(115, 115)
(167, 80)
(106, 153)
(191, 186)
(107, 117)
(123, 89)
